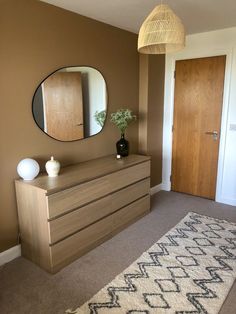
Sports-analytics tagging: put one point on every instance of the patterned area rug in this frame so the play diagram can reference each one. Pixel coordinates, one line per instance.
(189, 270)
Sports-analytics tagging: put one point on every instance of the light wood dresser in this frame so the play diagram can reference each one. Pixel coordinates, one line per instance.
(64, 217)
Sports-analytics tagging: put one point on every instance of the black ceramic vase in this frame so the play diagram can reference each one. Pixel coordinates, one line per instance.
(122, 146)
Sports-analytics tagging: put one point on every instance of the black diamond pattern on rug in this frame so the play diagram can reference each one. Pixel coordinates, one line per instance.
(156, 301)
(203, 242)
(137, 312)
(195, 250)
(215, 226)
(211, 234)
(178, 272)
(168, 285)
(187, 260)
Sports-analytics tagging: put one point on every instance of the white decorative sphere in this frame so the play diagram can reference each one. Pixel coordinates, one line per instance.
(28, 169)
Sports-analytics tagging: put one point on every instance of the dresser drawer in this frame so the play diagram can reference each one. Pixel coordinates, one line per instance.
(72, 222)
(69, 199)
(126, 215)
(78, 244)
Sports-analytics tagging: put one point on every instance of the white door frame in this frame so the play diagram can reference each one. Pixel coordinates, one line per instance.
(169, 111)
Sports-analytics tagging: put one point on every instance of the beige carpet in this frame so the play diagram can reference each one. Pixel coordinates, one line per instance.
(189, 270)
(26, 289)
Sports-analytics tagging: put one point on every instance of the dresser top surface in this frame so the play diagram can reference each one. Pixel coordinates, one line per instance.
(83, 172)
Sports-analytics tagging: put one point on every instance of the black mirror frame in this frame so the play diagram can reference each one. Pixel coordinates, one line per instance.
(107, 102)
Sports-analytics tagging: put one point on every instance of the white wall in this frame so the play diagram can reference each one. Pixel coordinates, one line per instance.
(221, 42)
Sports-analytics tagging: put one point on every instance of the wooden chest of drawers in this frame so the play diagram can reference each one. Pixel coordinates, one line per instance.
(62, 218)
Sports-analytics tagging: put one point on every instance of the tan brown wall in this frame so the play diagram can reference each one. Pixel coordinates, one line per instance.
(155, 115)
(36, 39)
(151, 104)
(143, 103)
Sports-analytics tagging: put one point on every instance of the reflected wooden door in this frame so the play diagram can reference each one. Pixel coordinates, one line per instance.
(63, 106)
(199, 85)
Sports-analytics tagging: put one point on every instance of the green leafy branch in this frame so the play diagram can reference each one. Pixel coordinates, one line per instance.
(122, 118)
(100, 117)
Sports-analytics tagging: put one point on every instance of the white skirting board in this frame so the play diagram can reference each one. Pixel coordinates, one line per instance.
(227, 201)
(155, 189)
(9, 255)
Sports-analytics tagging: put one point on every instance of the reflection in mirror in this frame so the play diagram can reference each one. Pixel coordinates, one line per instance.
(71, 103)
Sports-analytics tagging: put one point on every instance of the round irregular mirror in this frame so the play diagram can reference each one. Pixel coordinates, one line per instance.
(71, 103)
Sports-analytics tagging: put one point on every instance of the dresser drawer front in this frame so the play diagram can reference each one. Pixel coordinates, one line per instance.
(126, 215)
(74, 221)
(69, 199)
(78, 244)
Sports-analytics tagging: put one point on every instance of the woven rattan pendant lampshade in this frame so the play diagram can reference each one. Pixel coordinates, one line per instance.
(161, 32)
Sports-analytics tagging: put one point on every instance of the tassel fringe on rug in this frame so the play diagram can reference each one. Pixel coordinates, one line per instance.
(189, 270)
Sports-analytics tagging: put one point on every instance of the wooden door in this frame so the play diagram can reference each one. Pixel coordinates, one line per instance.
(63, 106)
(199, 85)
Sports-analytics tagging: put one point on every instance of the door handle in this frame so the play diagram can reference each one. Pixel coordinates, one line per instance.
(79, 124)
(213, 133)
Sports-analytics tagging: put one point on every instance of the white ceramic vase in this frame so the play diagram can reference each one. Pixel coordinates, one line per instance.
(52, 167)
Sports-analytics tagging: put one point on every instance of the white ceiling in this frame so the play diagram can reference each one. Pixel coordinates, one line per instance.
(197, 15)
